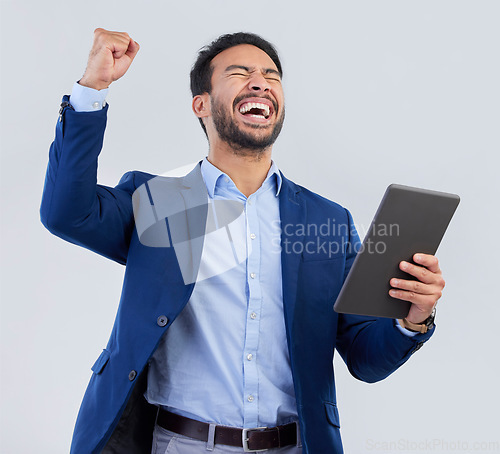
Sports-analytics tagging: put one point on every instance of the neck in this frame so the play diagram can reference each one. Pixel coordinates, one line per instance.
(247, 168)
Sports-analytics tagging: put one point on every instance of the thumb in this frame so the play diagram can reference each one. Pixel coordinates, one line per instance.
(133, 48)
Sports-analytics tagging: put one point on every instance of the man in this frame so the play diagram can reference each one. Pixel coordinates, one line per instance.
(205, 356)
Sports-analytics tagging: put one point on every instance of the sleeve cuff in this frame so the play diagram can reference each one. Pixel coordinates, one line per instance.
(405, 331)
(85, 99)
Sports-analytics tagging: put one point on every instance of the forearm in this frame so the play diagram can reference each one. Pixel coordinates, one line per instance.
(71, 178)
(373, 348)
(73, 206)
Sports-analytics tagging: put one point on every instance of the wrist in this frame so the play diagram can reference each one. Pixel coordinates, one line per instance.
(96, 85)
(422, 327)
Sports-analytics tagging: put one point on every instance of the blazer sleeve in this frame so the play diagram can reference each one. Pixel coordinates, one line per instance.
(372, 347)
(76, 208)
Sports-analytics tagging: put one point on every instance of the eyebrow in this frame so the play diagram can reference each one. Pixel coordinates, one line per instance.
(247, 69)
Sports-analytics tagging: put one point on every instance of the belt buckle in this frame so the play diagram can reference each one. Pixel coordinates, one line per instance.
(244, 439)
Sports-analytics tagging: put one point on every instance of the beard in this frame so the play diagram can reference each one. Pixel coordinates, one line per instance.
(241, 142)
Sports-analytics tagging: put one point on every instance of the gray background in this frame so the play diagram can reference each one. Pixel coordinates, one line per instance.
(377, 92)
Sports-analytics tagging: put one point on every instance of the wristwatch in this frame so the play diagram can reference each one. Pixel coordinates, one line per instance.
(423, 327)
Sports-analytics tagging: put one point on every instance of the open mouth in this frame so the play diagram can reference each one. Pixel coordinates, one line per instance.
(256, 109)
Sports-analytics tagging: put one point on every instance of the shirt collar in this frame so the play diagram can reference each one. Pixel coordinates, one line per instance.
(214, 177)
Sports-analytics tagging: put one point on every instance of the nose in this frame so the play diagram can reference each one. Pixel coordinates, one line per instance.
(258, 83)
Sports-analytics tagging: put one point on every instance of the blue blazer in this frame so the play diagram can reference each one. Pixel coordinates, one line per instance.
(114, 416)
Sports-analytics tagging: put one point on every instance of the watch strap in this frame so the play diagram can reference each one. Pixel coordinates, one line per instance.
(421, 328)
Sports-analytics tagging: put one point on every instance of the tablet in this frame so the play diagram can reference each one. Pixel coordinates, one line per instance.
(408, 220)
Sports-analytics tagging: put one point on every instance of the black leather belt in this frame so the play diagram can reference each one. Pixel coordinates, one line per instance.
(249, 439)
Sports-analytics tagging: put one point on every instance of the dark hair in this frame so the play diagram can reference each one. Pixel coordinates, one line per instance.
(201, 73)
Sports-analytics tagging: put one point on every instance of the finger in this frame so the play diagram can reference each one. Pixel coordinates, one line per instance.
(424, 302)
(132, 50)
(119, 44)
(429, 261)
(421, 273)
(415, 286)
(116, 42)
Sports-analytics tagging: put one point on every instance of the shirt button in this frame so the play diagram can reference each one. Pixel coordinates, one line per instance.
(253, 236)
(249, 202)
(132, 374)
(162, 321)
(249, 357)
(253, 315)
(250, 398)
(96, 105)
(252, 275)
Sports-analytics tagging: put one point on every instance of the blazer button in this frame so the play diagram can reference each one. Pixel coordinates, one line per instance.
(162, 321)
(131, 375)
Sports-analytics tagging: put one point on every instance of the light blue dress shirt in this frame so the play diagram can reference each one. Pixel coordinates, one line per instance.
(225, 358)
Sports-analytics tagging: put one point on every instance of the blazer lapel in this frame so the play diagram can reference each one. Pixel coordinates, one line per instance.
(293, 215)
(172, 211)
(191, 224)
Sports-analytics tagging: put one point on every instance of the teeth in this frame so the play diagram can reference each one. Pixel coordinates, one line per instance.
(255, 105)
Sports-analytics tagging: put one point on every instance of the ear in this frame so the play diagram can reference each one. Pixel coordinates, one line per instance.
(201, 105)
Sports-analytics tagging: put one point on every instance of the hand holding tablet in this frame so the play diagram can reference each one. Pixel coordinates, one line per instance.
(398, 252)
(424, 292)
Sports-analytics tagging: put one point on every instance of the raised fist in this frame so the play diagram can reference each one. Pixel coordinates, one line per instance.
(110, 57)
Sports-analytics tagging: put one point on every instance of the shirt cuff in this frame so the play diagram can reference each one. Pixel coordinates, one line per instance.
(405, 331)
(85, 99)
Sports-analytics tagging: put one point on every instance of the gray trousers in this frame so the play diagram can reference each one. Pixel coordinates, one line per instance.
(166, 442)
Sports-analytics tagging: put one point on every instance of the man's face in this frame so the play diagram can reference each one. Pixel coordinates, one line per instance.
(246, 100)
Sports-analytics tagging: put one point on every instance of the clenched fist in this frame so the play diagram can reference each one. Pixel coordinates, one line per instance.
(110, 57)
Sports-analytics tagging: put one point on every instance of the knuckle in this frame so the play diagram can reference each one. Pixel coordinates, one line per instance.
(400, 294)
